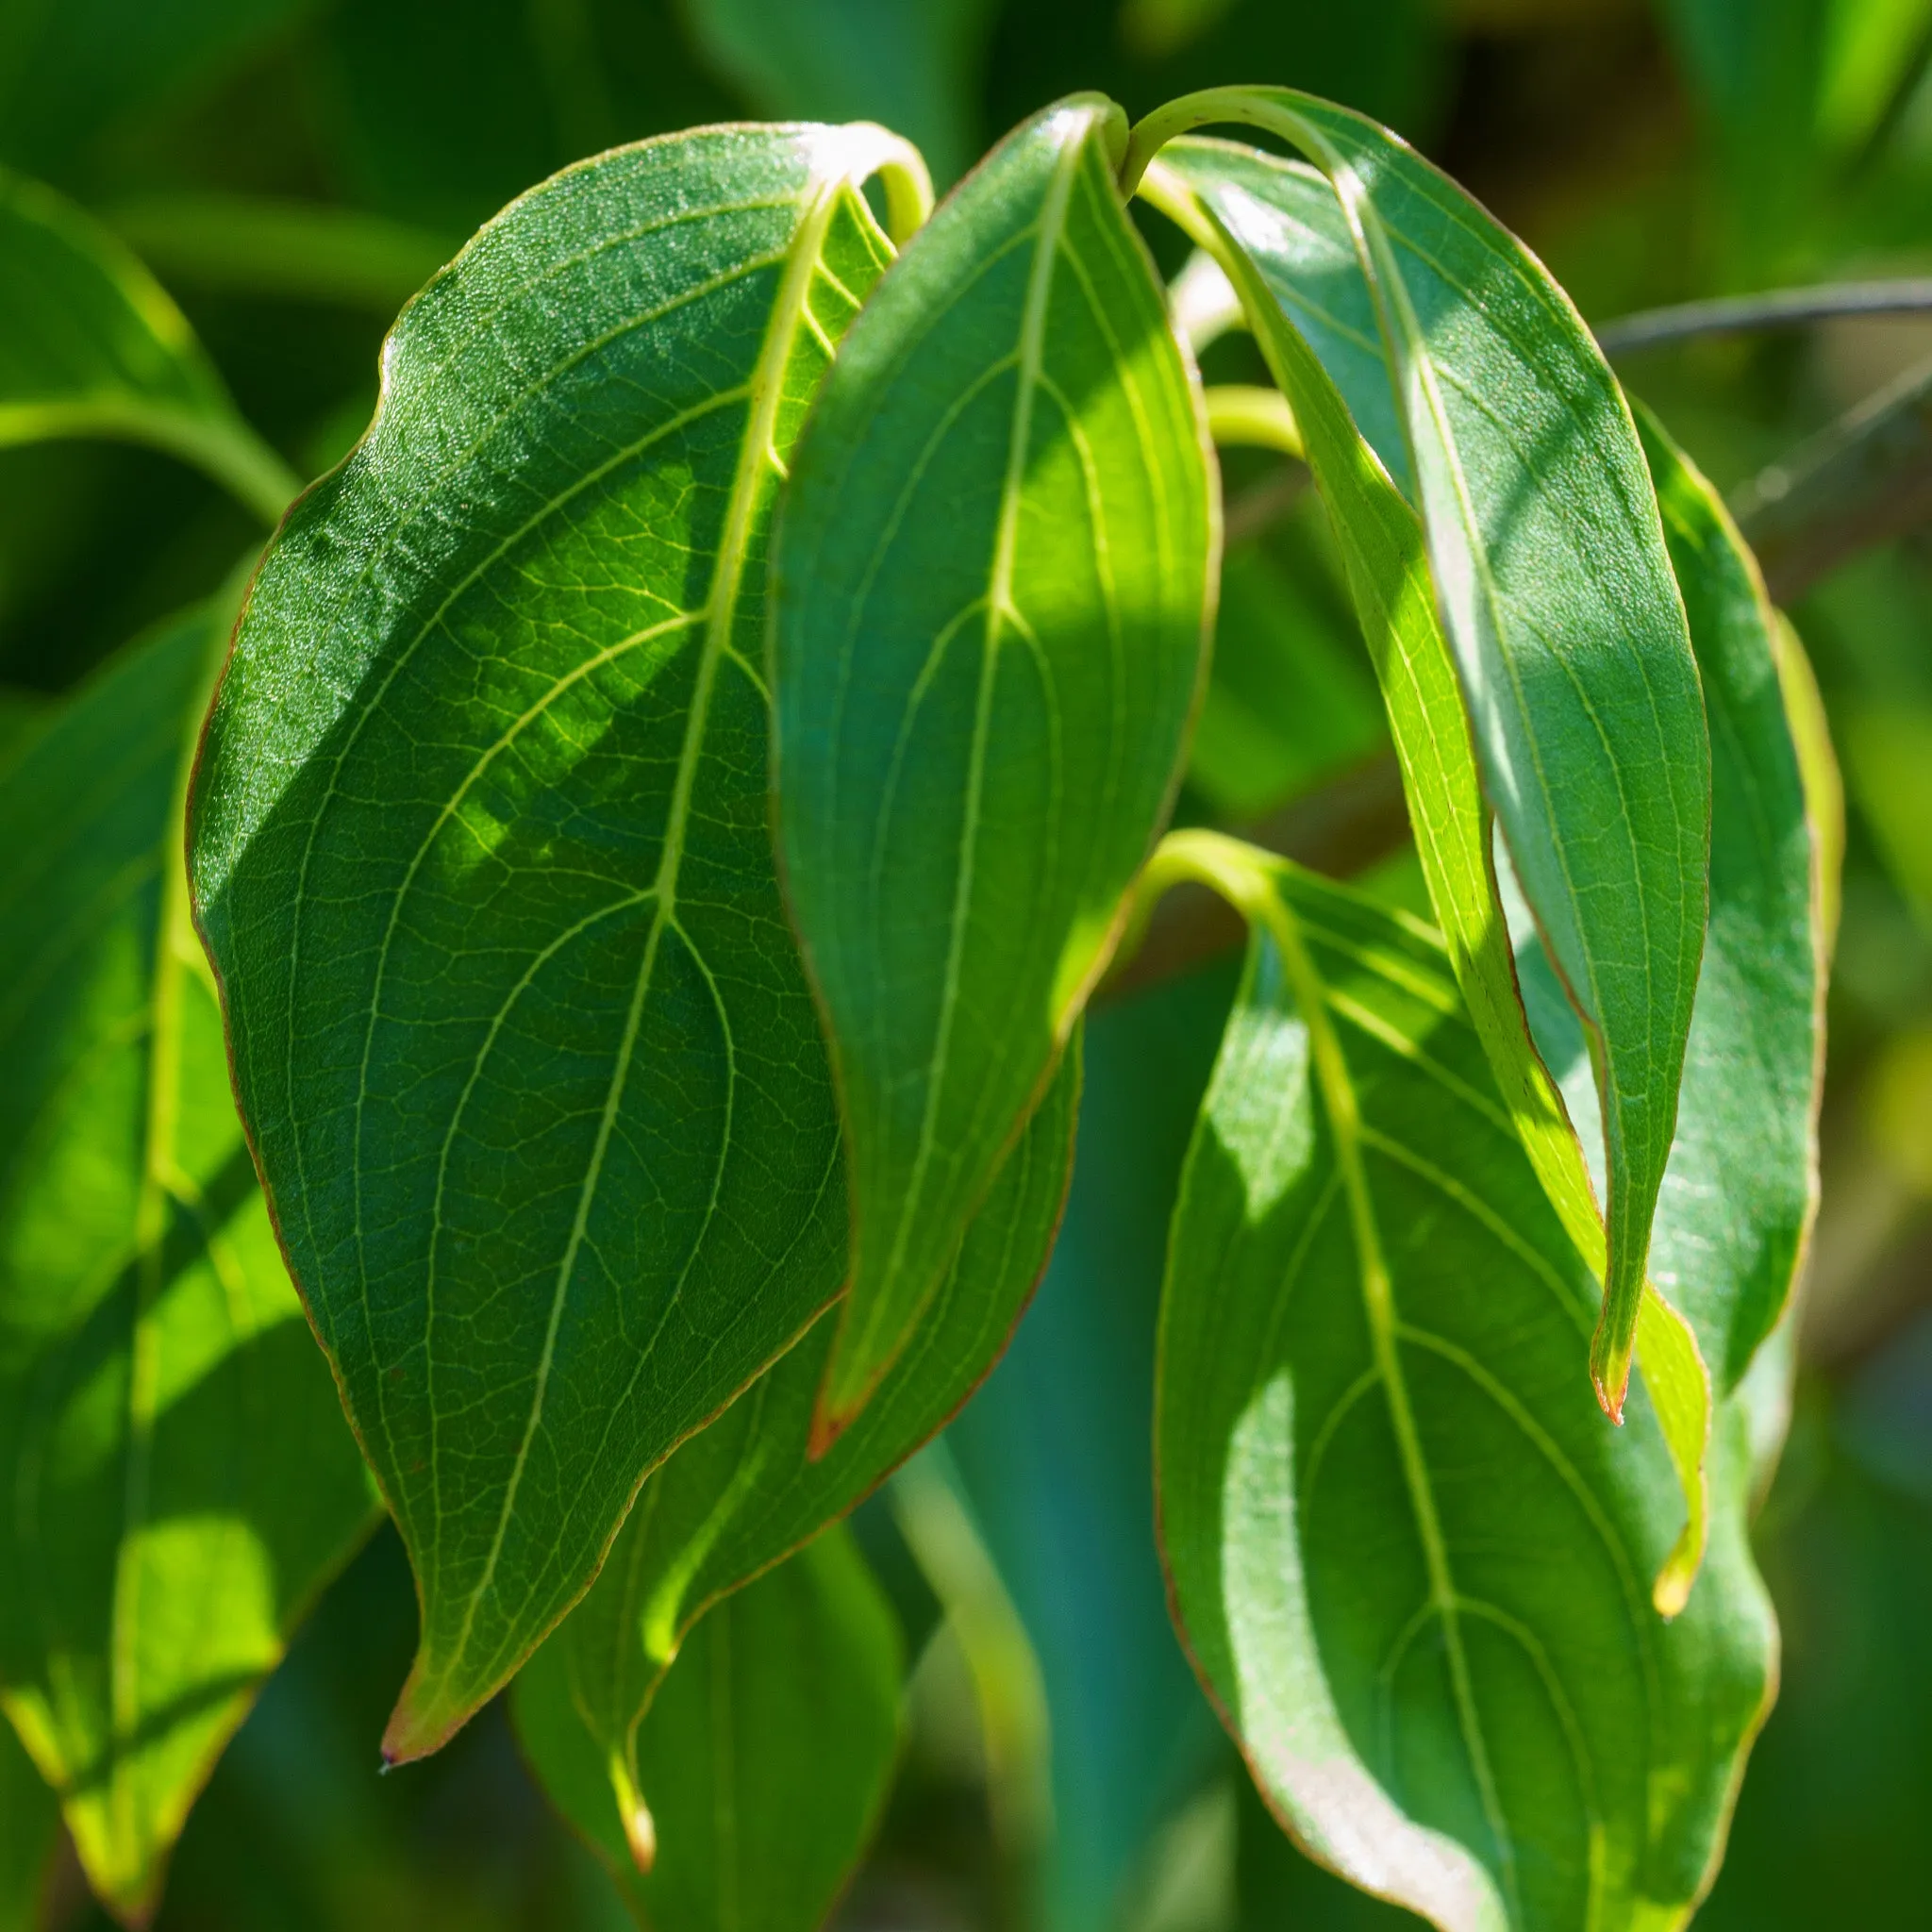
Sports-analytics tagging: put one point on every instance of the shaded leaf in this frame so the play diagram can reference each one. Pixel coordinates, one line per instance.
(91, 346)
(480, 852)
(180, 1477)
(1315, 320)
(29, 1830)
(1410, 1562)
(1550, 572)
(992, 578)
(764, 1758)
(743, 1493)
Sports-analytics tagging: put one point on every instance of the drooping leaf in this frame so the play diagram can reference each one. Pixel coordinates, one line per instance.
(29, 1830)
(91, 346)
(481, 854)
(1314, 317)
(1555, 589)
(992, 578)
(764, 1757)
(1411, 1564)
(743, 1493)
(180, 1476)
(1741, 1185)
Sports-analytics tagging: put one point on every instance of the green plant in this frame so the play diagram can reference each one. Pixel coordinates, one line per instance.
(675, 791)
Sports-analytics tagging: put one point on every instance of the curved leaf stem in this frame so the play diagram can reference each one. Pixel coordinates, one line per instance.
(1252, 415)
(1650, 328)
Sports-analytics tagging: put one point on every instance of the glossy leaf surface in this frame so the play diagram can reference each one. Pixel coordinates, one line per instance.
(1316, 325)
(1738, 1194)
(744, 1492)
(992, 581)
(1557, 602)
(1412, 1563)
(180, 1479)
(764, 1757)
(480, 852)
(91, 347)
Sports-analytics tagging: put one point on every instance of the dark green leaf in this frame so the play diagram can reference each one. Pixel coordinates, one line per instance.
(91, 346)
(480, 852)
(763, 1759)
(743, 1493)
(1410, 1562)
(1324, 339)
(1553, 581)
(993, 578)
(180, 1476)
(29, 1829)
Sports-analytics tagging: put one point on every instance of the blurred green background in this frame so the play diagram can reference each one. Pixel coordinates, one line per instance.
(292, 169)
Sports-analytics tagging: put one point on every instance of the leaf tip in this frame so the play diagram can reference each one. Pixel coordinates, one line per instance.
(1610, 1371)
(419, 1725)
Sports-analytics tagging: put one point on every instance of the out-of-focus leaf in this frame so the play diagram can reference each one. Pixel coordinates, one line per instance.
(992, 582)
(1318, 327)
(743, 1493)
(1741, 1185)
(91, 346)
(763, 1758)
(913, 68)
(180, 1477)
(281, 248)
(1053, 1456)
(1411, 1564)
(72, 69)
(481, 854)
(1555, 589)
(29, 1829)
(22, 714)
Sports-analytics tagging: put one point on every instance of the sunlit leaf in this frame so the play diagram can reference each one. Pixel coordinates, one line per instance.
(91, 346)
(1555, 588)
(744, 1492)
(480, 851)
(29, 1829)
(1412, 1563)
(180, 1479)
(993, 580)
(763, 1759)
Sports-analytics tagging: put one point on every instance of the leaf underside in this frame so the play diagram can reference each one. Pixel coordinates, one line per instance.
(481, 854)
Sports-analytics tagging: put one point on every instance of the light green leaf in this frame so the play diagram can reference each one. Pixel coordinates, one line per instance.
(91, 346)
(1324, 339)
(1410, 1562)
(180, 1480)
(744, 1492)
(764, 1758)
(1555, 588)
(994, 573)
(1741, 1187)
(29, 1830)
(481, 854)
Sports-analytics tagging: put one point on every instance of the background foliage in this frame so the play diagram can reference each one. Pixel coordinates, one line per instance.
(290, 169)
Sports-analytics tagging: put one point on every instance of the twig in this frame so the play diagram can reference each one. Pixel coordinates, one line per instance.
(1776, 308)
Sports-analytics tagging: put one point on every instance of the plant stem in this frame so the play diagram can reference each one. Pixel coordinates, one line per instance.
(1776, 309)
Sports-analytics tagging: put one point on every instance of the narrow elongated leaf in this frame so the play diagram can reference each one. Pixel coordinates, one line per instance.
(1555, 589)
(1313, 316)
(29, 1830)
(481, 854)
(1741, 1185)
(765, 1755)
(1410, 1562)
(993, 578)
(91, 346)
(743, 1493)
(180, 1482)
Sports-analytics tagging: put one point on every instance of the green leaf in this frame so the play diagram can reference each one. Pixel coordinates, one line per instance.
(480, 852)
(764, 1758)
(744, 1492)
(91, 346)
(1741, 1187)
(1317, 327)
(1555, 589)
(179, 1477)
(29, 1830)
(1409, 1561)
(992, 574)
